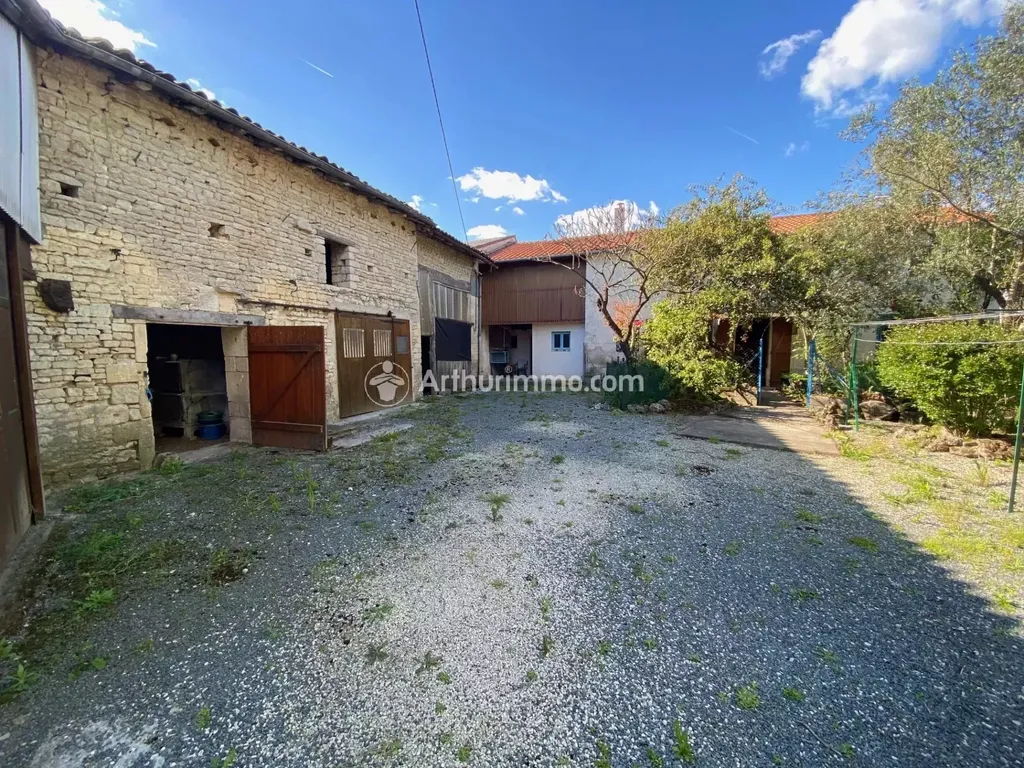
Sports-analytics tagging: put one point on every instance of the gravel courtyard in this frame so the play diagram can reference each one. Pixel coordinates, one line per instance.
(517, 580)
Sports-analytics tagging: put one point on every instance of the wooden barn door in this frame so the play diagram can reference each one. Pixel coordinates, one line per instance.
(15, 509)
(364, 343)
(287, 386)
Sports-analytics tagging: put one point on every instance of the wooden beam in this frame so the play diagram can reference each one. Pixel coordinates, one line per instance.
(184, 316)
(18, 255)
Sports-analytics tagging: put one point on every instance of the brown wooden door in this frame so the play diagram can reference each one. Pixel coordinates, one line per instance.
(287, 386)
(15, 509)
(782, 345)
(374, 363)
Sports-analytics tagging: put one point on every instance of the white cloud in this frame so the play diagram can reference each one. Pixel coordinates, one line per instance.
(197, 86)
(93, 19)
(416, 202)
(518, 211)
(508, 186)
(617, 216)
(774, 57)
(486, 231)
(884, 41)
(793, 148)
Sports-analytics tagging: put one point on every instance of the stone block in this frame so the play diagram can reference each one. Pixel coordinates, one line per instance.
(124, 394)
(237, 386)
(127, 433)
(235, 342)
(241, 430)
(141, 342)
(122, 372)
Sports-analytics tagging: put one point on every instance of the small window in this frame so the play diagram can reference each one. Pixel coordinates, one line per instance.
(381, 342)
(352, 342)
(560, 341)
(336, 262)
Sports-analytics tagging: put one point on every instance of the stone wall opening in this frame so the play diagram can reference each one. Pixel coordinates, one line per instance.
(187, 385)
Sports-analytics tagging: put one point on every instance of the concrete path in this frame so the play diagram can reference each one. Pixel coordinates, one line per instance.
(782, 426)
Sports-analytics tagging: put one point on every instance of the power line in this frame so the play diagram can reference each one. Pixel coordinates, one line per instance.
(440, 120)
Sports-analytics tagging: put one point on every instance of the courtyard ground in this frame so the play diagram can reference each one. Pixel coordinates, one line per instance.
(521, 580)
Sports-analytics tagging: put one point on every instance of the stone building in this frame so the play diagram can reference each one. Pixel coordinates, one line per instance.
(175, 229)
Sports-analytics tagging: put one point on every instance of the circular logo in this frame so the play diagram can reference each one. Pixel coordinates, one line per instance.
(387, 384)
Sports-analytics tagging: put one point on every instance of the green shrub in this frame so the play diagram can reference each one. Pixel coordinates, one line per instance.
(656, 384)
(969, 388)
(677, 339)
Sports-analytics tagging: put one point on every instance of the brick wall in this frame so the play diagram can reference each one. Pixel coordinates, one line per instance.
(148, 205)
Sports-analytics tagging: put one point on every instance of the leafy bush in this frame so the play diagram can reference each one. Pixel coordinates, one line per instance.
(969, 388)
(677, 339)
(656, 384)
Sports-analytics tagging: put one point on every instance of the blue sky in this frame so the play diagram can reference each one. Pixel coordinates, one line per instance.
(552, 107)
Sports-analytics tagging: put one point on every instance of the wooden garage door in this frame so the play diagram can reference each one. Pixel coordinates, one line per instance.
(287, 386)
(15, 510)
(366, 343)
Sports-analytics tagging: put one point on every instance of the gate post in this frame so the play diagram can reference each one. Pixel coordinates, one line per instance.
(810, 370)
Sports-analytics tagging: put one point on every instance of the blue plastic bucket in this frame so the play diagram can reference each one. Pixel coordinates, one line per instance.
(211, 431)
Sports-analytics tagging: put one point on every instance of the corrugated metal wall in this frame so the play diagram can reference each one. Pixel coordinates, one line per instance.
(440, 300)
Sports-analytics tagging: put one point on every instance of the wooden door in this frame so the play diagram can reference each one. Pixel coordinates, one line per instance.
(374, 363)
(15, 509)
(781, 347)
(287, 386)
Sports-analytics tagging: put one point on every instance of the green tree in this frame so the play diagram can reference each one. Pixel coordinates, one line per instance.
(720, 258)
(952, 151)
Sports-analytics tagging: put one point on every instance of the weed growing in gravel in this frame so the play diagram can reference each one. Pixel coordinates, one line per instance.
(499, 583)
(802, 594)
(390, 748)
(868, 545)
(557, 459)
(733, 548)
(681, 746)
(203, 718)
(228, 565)
(980, 476)
(650, 643)
(604, 755)
(642, 573)
(546, 604)
(714, 440)
(428, 663)
(806, 516)
(497, 501)
(604, 648)
(144, 646)
(547, 645)
(635, 508)
(746, 697)
(847, 751)
(732, 453)
(793, 694)
(227, 761)
(440, 708)
(378, 612)
(376, 654)
(444, 677)
(829, 657)
(919, 488)
(656, 760)
(97, 599)
(367, 526)
(531, 676)
(464, 753)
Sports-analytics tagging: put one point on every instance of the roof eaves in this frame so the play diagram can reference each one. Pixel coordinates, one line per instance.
(41, 27)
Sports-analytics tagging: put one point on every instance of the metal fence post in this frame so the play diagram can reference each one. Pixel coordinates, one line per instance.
(1016, 446)
(760, 368)
(855, 395)
(810, 370)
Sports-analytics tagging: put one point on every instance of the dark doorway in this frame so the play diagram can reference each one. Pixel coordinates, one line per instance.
(748, 344)
(187, 385)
